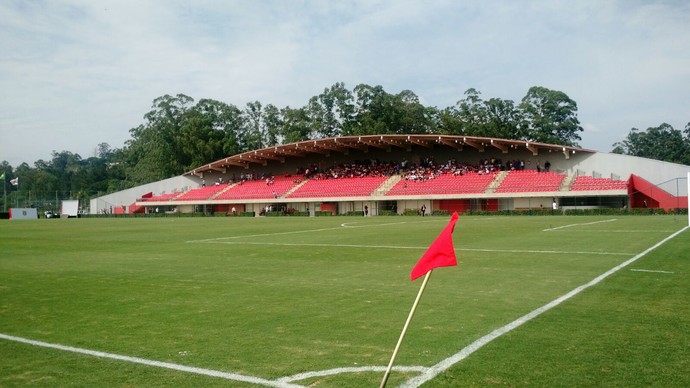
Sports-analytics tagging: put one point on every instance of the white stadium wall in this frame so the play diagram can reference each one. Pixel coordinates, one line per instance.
(127, 197)
(622, 166)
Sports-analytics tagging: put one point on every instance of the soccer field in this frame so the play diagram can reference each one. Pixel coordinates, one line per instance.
(321, 301)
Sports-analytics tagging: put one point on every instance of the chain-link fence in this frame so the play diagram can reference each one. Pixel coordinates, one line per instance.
(41, 200)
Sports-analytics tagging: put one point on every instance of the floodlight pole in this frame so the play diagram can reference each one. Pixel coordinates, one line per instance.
(404, 330)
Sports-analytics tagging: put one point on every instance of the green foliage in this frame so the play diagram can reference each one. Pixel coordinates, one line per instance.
(551, 116)
(660, 143)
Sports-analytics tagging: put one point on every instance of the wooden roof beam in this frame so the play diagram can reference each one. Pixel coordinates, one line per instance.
(230, 162)
(330, 146)
(268, 156)
(376, 143)
(216, 168)
(502, 147)
(533, 148)
(252, 159)
(395, 143)
(287, 152)
(451, 143)
(474, 144)
(420, 142)
(315, 150)
(355, 145)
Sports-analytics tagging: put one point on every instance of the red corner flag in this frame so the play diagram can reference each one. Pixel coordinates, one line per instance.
(440, 253)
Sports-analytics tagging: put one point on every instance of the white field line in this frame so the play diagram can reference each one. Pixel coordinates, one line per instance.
(346, 225)
(335, 371)
(649, 270)
(159, 364)
(262, 235)
(534, 251)
(580, 224)
(442, 366)
(415, 248)
(611, 231)
(354, 224)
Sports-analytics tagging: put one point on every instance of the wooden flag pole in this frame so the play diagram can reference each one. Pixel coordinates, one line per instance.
(404, 330)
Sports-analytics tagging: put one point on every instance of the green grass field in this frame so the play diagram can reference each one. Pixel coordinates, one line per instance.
(270, 298)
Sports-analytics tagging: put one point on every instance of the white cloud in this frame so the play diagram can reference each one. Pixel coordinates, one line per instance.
(78, 73)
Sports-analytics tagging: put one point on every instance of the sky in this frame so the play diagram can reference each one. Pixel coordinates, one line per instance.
(78, 73)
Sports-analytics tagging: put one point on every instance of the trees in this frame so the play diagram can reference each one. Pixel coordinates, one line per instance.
(372, 111)
(470, 113)
(503, 120)
(153, 153)
(550, 116)
(660, 143)
(331, 113)
(473, 116)
(296, 125)
(413, 116)
(178, 136)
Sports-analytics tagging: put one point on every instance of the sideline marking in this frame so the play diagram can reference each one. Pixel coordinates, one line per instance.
(649, 270)
(345, 225)
(442, 366)
(352, 224)
(159, 364)
(612, 231)
(262, 235)
(585, 223)
(417, 248)
(534, 251)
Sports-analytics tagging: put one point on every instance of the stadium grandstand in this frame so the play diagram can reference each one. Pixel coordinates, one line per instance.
(396, 174)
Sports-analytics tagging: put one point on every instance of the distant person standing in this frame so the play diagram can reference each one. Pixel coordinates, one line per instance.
(366, 210)
(423, 210)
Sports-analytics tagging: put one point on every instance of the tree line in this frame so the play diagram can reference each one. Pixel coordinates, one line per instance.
(179, 133)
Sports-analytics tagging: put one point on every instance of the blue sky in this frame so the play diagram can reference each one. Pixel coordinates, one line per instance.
(76, 73)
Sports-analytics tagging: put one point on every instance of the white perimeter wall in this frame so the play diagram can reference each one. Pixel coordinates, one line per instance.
(129, 196)
(657, 172)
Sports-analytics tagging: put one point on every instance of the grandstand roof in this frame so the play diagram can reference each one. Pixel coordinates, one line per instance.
(384, 142)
